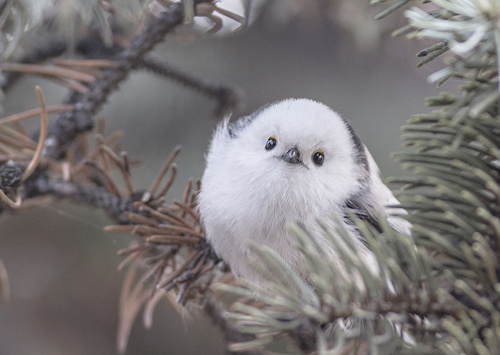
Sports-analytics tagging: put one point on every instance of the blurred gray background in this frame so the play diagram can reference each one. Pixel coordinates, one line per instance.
(62, 266)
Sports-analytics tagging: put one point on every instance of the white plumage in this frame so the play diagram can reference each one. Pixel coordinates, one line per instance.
(293, 161)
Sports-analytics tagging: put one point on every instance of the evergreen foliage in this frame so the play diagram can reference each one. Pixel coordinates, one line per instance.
(437, 291)
(444, 296)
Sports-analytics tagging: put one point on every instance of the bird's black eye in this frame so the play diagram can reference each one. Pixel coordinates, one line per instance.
(271, 143)
(318, 157)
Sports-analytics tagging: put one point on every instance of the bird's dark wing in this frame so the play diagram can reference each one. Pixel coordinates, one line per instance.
(356, 207)
(359, 147)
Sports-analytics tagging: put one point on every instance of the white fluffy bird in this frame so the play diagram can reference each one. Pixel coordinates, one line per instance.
(293, 161)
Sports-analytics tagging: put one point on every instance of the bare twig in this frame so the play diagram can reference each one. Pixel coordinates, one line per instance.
(70, 84)
(163, 236)
(109, 180)
(8, 201)
(34, 112)
(68, 125)
(121, 167)
(20, 139)
(49, 71)
(133, 296)
(168, 163)
(111, 139)
(87, 63)
(41, 140)
(228, 98)
(38, 55)
(95, 196)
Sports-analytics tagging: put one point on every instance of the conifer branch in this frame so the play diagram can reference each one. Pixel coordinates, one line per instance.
(437, 291)
(443, 284)
(68, 125)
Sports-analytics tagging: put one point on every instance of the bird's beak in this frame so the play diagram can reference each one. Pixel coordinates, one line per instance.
(292, 156)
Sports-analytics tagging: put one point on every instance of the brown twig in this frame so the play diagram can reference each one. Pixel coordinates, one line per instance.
(37, 55)
(68, 125)
(120, 165)
(8, 201)
(140, 219)
(15, 143)
(133, 256)
(12, 175)
(86, 63)
(186, 208)
(41, 140)
(163, 214)
(177, 226)
(167, 281)
(48, 71)
(158, 267)
(34, 112)
(13, 156)
(151, 304)
(228, 98)
(6, 150)
(131, 249)
(131, 300)
(171, 239)
(96, 196)
(71, 84)
(166, 210)
(106, 166)
(95, 151)
(111, 186)
(22, 140)
(156, 182)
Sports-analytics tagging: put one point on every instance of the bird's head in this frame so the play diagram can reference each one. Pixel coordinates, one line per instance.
(305, 145)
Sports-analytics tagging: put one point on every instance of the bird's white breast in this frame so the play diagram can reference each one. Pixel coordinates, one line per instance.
(249, 192)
